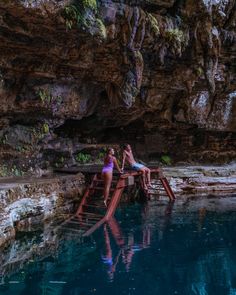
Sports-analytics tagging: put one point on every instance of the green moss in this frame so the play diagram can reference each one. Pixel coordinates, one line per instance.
(84, 14)
(166, 159)
(72, 16)
(101, 155)
(16, 171)
(174, 35)
(38, 133)
(101, 27)
(177, 40)
(153, 23)
(45, 128)
(83, 158)
(92, 4)
(44, 95)
(74, 13)
(199, 71)
(6, 171)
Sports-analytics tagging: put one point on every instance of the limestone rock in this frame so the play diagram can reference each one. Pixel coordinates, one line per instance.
(158, 65)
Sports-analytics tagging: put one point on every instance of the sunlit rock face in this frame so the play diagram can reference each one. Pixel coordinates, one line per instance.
(108, 71)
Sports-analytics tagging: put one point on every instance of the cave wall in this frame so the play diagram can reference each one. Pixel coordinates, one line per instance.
(160, 74)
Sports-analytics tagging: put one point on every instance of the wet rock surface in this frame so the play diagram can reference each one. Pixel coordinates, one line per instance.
(112, 71)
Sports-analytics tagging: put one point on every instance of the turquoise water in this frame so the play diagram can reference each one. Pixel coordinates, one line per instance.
(188, 247)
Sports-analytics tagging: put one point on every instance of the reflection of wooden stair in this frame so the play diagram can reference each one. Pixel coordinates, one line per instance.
(92, 212)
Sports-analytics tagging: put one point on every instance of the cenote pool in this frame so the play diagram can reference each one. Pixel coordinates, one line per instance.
(159, 248)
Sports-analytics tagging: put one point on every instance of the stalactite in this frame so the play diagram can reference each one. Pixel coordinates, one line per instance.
(134, 27)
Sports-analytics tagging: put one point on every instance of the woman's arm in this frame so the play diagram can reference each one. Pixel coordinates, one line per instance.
(116, 164)
(123, 161)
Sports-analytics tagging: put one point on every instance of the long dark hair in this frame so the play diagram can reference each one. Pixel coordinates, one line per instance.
(107, 156)
(125, 145)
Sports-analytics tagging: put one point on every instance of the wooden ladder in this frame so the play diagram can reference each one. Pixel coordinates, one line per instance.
(113, 203)
(161, 185)
(92, 212)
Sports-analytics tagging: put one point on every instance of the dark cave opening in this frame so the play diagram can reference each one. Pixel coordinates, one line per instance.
(85, 129)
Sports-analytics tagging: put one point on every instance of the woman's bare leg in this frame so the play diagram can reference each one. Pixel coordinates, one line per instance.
(107, 177)
(148, 175)
(144, 177)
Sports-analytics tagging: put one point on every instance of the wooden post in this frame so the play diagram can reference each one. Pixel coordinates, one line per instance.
(167, 188)
(115, 198)
(86, 194)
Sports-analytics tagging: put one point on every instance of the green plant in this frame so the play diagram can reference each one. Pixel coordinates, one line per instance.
(45, 128)
(199, 71)
(101, 28)
(4, 171)
(92, 4)
(153, 23)
(16, 171)
(166, 159)
(44, 95)
(74, 13)
(38, 132)
(101, 155)
(83, 158)
(174, 35)
(7, 171)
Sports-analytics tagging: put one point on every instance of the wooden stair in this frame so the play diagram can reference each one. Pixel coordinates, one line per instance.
(92, 212)
(161, 187)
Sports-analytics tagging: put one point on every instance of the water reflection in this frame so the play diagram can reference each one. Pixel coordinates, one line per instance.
(127, 246)
(186, 248)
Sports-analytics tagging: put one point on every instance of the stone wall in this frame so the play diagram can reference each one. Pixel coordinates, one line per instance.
(96, 71)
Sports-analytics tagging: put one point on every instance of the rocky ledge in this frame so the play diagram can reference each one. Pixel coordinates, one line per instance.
(199, 180)
(26, 204)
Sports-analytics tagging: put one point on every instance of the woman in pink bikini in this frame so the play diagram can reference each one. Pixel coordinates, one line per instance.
(107, 172)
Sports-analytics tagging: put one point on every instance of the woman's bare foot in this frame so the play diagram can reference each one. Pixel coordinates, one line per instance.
(105, 203)
(145, 188)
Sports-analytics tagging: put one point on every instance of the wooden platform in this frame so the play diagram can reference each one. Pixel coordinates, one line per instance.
(92, 212)
(93, 169)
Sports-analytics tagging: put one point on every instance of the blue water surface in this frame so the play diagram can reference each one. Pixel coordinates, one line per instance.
(159, 248)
